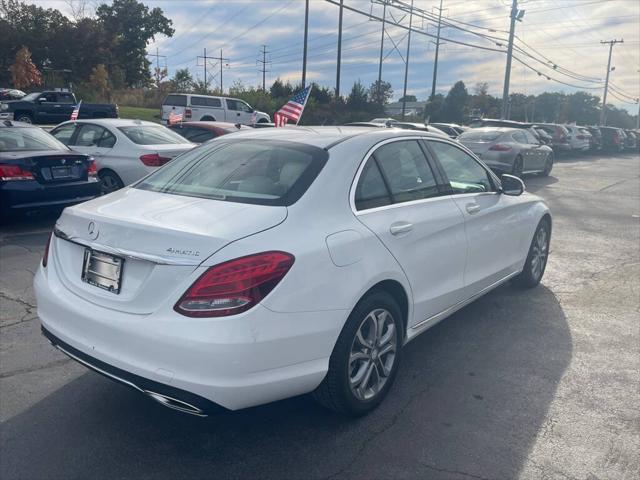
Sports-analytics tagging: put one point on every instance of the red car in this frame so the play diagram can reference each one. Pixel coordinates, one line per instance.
(200, 132)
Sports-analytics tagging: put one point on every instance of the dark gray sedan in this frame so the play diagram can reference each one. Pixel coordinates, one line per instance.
(509, 150)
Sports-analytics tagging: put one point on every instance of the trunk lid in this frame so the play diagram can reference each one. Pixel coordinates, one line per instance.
(49, 167)
(161, 237)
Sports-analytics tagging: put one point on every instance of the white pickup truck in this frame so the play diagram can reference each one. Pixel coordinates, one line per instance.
(208, 108)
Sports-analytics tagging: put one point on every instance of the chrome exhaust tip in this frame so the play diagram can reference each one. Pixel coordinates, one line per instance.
(175, 404)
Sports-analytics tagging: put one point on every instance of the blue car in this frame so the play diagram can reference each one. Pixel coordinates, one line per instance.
(38, 172)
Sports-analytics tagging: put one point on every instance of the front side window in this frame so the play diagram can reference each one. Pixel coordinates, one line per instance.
(519, 137)
(64, 133)
(465, 174)
(151, 135)
(265, 172)
(91, 135)
(66, 98)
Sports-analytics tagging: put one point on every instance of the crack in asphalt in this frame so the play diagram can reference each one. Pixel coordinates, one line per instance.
(20, 371)
(26, 317)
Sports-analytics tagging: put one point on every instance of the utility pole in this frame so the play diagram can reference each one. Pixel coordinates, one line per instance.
(515, 15)
(339, 51)
(158, 65)
(304, 51)
(603, 112)
(435, 62)
(206, 59)
(406, 65)
(384, 17)
(264, 66)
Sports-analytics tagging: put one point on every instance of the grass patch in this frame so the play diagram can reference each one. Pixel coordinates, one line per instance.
(139, 113)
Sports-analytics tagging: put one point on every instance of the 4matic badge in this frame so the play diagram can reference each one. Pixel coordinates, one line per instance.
(180, 251)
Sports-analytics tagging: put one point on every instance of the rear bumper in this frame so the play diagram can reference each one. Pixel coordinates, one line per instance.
(249, 359)
(30, 195)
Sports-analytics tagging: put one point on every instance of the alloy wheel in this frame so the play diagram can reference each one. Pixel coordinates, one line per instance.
(373, 353)
(108, 184)
(539, 253)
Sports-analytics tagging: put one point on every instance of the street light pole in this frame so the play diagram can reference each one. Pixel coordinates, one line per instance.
(406, 65)
(507, 73)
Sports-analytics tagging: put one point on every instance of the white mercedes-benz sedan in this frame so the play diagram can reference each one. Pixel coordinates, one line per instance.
(279, 262)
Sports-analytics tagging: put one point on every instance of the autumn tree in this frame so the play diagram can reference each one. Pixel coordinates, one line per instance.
(99, 81)
(24, 73)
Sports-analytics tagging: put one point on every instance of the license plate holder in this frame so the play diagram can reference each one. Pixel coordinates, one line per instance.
(60, 172)
(102, 270)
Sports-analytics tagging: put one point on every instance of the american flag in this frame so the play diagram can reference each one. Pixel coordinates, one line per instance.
(174, 118)
(293, 109)
(76, 111)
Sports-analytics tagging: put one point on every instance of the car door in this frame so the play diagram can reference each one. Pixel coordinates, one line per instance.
(494, 226)
(238, 111)
(94, 140)
(48, 108)
(538, 154)
(65, 133)
(398, 198)
(67, 103)
(526, 150)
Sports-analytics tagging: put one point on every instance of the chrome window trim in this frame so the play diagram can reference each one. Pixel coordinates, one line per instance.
(363, 162)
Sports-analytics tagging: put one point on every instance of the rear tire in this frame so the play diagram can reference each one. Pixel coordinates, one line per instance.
(518, 166)
(537, 257)
(365, 359)
(207, 118)
(109, 182)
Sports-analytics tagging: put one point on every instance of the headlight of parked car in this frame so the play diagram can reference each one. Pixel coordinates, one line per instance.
(4, 106)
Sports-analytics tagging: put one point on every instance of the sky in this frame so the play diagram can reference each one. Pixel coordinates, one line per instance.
(566, 33)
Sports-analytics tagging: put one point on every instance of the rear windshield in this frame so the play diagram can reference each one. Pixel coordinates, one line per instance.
(25, 138)
(479, 136)
(176, 100)
(151, 135)
(265, 172)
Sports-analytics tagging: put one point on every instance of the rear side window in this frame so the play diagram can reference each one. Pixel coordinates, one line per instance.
(64, 133)
(151, 135)
(520, 137)
(465, 174)
(264, 172)
(197, 135)
(206, 102)
(371, 191)
(176, 100)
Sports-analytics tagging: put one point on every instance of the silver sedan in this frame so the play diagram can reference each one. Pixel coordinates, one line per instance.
(509, 150)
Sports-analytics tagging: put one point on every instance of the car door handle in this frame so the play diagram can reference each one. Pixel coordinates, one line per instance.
(472, 208)
(399, 228)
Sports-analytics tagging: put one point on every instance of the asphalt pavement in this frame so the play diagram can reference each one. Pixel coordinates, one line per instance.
(534, 384)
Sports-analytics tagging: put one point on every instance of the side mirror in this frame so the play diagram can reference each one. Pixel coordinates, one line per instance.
(512, 185)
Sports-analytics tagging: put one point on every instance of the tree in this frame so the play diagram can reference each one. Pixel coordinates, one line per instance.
(281, 89)
(433, 108)
(182, 81)
(455, 103)
(357, 98)
(129, 26)
(380, 92)
(408, 98)
(24, 73)
(99, 81)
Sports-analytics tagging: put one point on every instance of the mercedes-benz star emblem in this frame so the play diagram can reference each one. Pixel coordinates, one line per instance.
(92, 230)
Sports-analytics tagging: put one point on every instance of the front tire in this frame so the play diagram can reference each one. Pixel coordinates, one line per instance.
(518, 166)
(537, 257)
(548, 166)
(365, 359)
(24, 118)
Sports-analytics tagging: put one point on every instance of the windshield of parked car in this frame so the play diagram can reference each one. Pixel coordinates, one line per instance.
(479, 136)
(18, 139)
(260, 172)
(151, 135)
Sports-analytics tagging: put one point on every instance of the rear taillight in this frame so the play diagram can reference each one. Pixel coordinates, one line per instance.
(92, 169)
(187, 113)
(45, 255)
(234, 286)
(498, 147)
(14, 172)
(154, 160)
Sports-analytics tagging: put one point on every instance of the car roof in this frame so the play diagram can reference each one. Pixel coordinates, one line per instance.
(494, 129)
(326, 137)
(13, 123)
(114, 122)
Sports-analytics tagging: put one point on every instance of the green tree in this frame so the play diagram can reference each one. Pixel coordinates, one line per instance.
(182, 81)
(455, 102)
(129, 26)
(357, 98)
(99, 81)
(433, 108)
(380, 92)
(280, 89)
